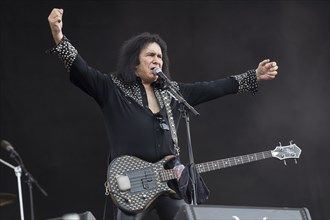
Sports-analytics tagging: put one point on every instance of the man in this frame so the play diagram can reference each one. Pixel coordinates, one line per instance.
(140, 114)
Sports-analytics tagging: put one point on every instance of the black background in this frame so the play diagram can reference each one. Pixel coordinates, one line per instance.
(59, 131)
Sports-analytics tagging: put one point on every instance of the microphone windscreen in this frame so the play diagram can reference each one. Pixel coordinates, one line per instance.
(6, 145)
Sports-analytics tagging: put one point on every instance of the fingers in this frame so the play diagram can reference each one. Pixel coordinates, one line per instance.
(267, 70)
(56, 15)
(270, 66)
(262, 63)
(274, 68)
(272, 74)
(56, 24)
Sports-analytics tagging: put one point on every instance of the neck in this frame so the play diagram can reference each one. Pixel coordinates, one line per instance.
(147, 85)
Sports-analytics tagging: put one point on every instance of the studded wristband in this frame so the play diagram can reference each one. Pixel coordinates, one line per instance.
(247, 82)
(66, 52)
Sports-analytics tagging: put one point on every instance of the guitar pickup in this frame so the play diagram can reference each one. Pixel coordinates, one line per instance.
(124, 183)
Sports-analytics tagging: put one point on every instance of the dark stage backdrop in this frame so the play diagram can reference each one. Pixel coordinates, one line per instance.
(59, 131)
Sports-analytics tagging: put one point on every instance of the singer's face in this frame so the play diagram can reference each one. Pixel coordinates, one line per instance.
(150, 57)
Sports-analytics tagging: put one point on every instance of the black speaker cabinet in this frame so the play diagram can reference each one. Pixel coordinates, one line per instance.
(81, 216)
(208, 212)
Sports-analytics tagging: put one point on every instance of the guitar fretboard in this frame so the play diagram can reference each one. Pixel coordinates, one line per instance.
(232, 161)
(166, 175)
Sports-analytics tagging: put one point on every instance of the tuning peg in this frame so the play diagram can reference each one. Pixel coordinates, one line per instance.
(291, 141)
(284, 162)
(295, 161)
(280, 143)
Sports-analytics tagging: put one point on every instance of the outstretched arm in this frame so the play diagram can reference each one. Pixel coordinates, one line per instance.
(56, 24)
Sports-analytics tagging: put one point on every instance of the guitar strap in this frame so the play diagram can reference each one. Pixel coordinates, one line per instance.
(184, 182)
(167, 103)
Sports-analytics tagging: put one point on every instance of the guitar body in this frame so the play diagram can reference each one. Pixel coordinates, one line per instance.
(134, 183)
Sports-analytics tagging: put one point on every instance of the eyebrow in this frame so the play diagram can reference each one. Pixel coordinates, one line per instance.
(154, 53)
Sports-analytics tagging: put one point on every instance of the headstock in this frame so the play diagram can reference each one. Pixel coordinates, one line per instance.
(286, 152)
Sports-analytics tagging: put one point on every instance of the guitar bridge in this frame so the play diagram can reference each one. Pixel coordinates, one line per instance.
(142, 179)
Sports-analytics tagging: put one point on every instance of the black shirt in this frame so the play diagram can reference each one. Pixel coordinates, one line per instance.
(132, 128)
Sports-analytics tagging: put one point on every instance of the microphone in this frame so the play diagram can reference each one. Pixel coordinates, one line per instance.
(6, 145)
(157, 71)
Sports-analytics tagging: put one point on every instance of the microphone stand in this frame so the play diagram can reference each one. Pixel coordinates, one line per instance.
(29, 181)
(18, 172)
(178, 97)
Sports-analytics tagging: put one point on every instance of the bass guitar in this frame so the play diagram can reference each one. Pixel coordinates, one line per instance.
(134, 183)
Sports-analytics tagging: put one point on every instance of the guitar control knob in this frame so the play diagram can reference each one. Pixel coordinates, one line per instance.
(127, 200)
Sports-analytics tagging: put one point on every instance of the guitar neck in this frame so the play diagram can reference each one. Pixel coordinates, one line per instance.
(232, 161)
(220, 164)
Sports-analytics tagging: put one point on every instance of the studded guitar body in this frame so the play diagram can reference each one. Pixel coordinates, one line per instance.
(145, 181)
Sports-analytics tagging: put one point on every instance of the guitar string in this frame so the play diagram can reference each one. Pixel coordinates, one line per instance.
(161, 174)
(164, 176)
(234, 161)
(167, 174)
(243, 159)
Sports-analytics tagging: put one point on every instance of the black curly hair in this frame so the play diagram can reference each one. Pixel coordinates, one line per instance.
(129, 56)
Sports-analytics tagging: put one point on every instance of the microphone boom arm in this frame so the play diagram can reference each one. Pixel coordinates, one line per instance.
(180, 99)
(173, 91)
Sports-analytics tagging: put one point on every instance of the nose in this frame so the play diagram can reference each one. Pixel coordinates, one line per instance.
(156, 60)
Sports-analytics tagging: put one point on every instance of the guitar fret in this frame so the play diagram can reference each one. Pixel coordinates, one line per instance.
(208, 166)
(233, 161)
(205, 167)
(162, 176)
(166, 175)
(248, 159)
(215, 165)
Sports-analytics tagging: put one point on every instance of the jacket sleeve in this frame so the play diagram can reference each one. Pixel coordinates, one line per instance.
(87, 78)
(199, 92)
